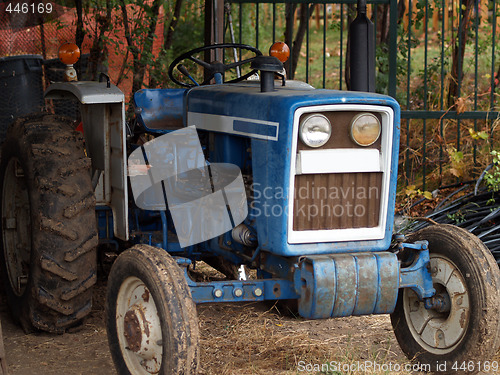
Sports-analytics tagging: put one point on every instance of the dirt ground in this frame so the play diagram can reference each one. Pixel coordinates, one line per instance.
(252, 338)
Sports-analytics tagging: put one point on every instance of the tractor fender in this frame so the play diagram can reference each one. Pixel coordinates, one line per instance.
(87, 92)
(102, 107)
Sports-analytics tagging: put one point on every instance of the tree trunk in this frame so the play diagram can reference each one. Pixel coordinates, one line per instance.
(80, 33)
(347, 75)
(383, 16)
(98, 51)
(296, 45)
(168, 37)
(147, 48)
(458, 52)
(141, 54)
(290, 9)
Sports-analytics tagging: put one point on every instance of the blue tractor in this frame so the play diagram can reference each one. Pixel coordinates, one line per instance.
(294, 182)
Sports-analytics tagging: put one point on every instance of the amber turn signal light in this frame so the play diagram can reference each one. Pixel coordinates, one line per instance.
(69, 53)
(280, 50)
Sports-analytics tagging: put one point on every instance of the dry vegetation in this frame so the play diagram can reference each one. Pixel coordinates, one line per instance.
(249, 338)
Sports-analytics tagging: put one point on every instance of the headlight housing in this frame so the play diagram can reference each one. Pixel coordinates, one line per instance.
(315, 130)
(365, 129)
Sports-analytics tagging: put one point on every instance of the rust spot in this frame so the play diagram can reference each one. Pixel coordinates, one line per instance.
(145, 296)
(164, 123)
(132, 331)
(463, 319)
(277, 290)
(308, 266)
(307, 296)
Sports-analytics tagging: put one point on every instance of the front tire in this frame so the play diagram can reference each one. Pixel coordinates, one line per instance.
(150, 316)
(463, 269)
(48, 234)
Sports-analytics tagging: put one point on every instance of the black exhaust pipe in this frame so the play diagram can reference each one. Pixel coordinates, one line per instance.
(362, 51)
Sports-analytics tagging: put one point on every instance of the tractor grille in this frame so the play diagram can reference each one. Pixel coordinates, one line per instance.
(340, 190)
(337, 201)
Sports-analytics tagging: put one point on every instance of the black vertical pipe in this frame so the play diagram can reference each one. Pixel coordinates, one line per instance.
(80, 32)
(257, 16)
(341, 43)
(362, 51)
(214, 27)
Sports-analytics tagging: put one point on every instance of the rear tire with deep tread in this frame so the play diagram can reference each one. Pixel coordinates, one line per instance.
(48, 235)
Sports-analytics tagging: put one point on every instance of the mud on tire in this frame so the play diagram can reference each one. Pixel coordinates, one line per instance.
(462, 268)
(48, 237)
(151, 318)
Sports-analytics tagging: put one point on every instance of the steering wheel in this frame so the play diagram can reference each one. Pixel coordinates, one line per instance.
(214, 67)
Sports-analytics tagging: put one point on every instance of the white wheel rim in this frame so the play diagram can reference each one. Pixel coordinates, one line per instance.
(138, 328)
(16, 227)
(439, 333)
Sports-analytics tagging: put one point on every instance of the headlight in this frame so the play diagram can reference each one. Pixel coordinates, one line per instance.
(365, 129)
(315, 130)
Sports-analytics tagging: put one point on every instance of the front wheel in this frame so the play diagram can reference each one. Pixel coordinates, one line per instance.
(465, 273)
(151, 318)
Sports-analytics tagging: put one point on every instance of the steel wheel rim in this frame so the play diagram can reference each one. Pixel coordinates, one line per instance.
(440, 333)
(138, 328)
(16, 228)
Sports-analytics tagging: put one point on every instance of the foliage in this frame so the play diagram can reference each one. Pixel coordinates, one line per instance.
(382, 62)
(244, 24)
(65, 3)
(411, 192)
(127, 34)
(457, 217)
(492, 177)
(456, 161)
(96, 25)
(449, 149)
(189, 33)
(477, 135)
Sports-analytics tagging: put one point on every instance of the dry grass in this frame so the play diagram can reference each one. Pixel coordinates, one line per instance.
(253, 339)
(236, 339)
(262, 338)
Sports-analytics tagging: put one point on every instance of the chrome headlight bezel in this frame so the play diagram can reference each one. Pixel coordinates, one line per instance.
(356, 129)
(315, 125)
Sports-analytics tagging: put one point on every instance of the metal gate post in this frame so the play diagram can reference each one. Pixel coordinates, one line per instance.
(393, 47)
(214, 28)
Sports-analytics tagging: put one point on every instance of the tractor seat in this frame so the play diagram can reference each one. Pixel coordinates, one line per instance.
(160, 110)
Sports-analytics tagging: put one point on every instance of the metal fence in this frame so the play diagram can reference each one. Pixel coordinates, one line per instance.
(439, 59)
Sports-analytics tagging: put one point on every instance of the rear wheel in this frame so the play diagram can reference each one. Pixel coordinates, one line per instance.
(465, 274)
(151, 318)
(48, 233)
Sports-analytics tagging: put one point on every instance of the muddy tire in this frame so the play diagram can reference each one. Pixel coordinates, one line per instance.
(450, 342)
(48, 235)
(150, 316)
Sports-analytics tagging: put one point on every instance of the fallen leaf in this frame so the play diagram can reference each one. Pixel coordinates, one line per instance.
(455, 172)
(461, 105)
